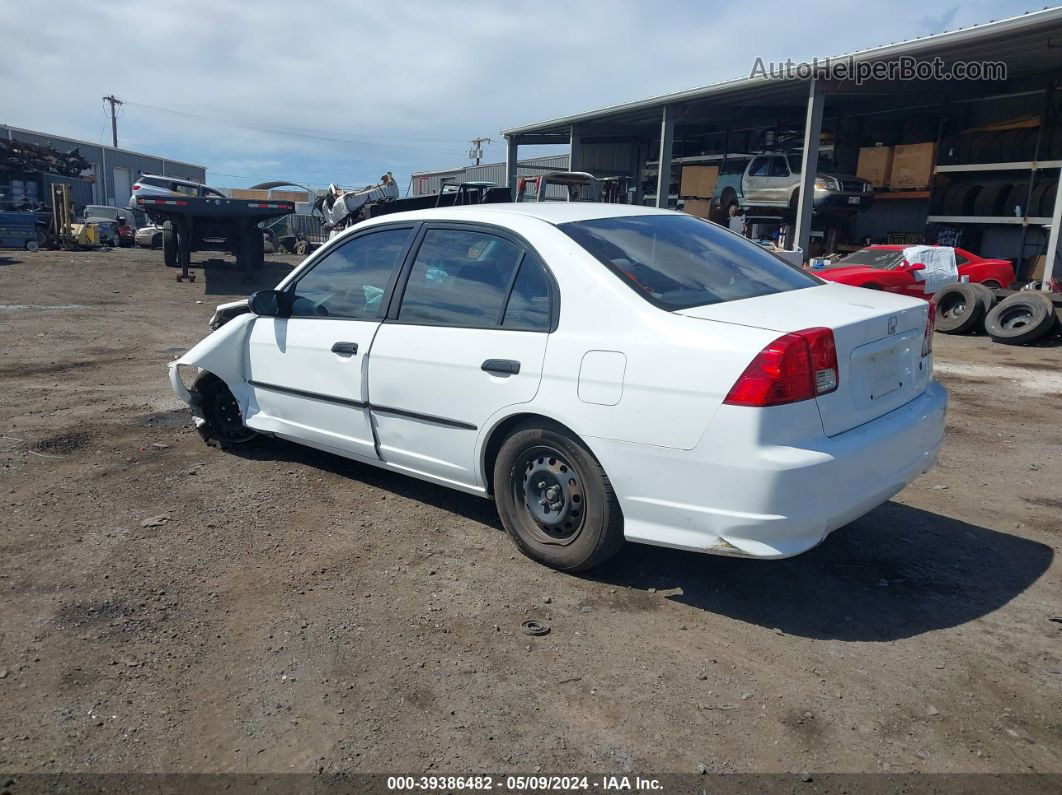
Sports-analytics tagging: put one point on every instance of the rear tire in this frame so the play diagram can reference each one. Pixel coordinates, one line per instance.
(960, 309)
(1021, 318)
(223, 424)
(555, 500)
(169, 245)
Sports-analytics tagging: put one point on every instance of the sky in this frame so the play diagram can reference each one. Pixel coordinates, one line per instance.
(345, 90)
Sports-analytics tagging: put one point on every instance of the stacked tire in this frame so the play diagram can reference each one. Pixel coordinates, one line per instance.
(1020, 319)
(1004, 146)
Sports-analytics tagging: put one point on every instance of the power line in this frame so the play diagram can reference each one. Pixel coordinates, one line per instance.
(298, 132)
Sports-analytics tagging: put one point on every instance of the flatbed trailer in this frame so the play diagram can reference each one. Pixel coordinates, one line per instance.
(211, 223)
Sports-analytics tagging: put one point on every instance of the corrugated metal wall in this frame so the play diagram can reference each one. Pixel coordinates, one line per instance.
(104, 161)
(607, 159)
(426, 183)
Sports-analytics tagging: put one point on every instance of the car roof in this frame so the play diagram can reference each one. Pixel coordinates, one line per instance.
(550, 212)
(170, 179)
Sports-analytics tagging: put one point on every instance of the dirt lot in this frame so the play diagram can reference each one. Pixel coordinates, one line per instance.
(293, 611)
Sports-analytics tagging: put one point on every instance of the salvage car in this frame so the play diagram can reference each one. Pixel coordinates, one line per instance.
(605, 373)
(149, 236)
(773, 180)
(886, 267)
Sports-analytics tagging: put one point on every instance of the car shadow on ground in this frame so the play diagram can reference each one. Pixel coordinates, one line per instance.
(222, 277)
(895, 573)
(7, 261)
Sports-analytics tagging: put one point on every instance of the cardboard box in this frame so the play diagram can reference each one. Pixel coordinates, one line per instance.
(244, 193)
(875, 164)
(698, 181)
(701, 208)
(912, 166)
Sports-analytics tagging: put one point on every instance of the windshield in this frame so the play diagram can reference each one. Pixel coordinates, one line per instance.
(678, 261)
(881, 258)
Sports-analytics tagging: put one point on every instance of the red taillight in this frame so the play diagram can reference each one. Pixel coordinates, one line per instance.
(797, 366)
(136, 187)
(931, 322)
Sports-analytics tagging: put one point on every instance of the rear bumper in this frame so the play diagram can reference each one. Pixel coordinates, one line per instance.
(774, 487)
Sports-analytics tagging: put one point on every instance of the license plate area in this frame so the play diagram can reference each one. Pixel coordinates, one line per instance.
(853, 200)
(884, 371)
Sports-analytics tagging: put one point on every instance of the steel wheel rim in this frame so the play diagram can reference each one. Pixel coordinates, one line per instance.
(953, 306)
(1015, 318)
(549, 494)
(223, 413)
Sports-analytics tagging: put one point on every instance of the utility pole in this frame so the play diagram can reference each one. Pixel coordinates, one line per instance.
(476, 150)
(114, 118)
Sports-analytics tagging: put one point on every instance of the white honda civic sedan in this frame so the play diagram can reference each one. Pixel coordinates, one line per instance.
(603, 372)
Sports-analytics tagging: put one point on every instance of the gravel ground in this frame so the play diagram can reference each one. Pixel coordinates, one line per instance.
(170, 607)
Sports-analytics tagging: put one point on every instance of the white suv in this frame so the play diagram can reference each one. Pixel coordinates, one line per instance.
(155, 185)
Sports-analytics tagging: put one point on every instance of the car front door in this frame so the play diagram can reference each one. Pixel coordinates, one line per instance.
(464, 338)
(754, 184)
(307, 370)
(779, 181)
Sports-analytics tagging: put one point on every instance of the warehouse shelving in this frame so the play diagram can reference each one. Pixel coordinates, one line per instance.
(1023, 165)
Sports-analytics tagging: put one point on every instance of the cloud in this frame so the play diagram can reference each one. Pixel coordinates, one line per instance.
(398, 86)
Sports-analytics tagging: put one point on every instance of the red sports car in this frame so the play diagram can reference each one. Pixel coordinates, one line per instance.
(884, 268)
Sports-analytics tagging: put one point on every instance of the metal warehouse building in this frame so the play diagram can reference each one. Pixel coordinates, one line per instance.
(989, 177)
(426, 183)
(109, 178)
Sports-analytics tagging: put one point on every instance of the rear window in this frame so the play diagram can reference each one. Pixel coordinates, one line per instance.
(881, 258)
(678, 261)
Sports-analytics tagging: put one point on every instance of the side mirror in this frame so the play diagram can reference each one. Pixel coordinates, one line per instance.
(916, 266)
(268, 303)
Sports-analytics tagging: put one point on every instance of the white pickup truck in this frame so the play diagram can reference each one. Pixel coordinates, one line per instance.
(773, 180)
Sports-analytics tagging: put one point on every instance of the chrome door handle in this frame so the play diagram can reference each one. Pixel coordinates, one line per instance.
(345, 348)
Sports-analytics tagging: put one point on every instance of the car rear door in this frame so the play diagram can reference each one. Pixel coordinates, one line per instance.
(464, 338)
(307, 370)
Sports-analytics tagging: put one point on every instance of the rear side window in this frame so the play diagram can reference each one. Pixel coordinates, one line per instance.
(677, 261)
(460, 278)
(528, 308)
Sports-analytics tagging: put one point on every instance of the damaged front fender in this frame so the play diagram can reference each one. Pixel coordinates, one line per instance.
(223, 353)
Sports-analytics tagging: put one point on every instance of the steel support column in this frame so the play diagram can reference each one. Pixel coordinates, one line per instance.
(575, 150)
(1052, 241)
(511, 149)
(667, 139)
(809, 166)
(641, 154)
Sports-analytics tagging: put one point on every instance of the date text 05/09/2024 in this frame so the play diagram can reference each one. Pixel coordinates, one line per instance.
(522, 783)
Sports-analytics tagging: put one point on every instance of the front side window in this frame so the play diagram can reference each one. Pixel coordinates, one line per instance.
(460, 278)
(760, 167)
(677, 261)
(351, 280)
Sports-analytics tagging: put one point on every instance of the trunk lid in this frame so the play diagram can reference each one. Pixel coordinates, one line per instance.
(878, 337)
